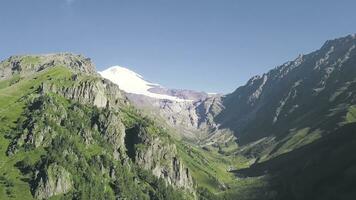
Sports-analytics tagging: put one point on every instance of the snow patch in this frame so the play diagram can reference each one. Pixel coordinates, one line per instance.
(131, 82)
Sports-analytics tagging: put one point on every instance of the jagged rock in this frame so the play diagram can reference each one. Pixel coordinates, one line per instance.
(96, 91)
(55, 180)
(113, 131)
(314, 90)
(161, 158)
(194, 120)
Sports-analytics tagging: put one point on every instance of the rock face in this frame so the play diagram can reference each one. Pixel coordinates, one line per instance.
(99, 92)
(30, 64)
(162, 159)
(54, 181)
(193, 120)
(297, 94)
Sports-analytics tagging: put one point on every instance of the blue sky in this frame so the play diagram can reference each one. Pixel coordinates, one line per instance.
(208, 45)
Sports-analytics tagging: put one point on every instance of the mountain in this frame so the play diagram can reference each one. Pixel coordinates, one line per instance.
(187, 111)
(309, 96)
(290, 114)
(289, 124)
(296, 124)
(133, 83)
(67, 133)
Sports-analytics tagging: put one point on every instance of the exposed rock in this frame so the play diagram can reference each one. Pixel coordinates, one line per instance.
(96, 91)
(36, 131)
(194, 120)
(256, 94)
(113, 132)
(296, 94)
(161, 158)
(29, 64)
(55, 180)
(189, 112)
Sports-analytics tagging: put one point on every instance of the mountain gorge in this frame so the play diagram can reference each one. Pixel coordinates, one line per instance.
(69, 132)
(291, 108)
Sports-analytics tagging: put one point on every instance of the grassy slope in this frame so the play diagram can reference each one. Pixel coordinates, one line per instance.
(302, 173)
(210, 170)
(12, 92)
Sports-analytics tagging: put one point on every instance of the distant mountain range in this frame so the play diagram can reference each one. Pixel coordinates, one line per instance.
(181, 108)
(133, 83)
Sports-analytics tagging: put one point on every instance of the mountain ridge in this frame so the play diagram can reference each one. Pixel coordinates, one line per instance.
(68, 133)
(182, 109)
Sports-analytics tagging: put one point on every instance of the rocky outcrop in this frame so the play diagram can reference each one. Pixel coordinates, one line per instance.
(29, 64)
(161, 157)
(95, 91)
(47, 113)
(164, 163)
(206, 110)
(34, 129)
(113, 131)
(53, 181)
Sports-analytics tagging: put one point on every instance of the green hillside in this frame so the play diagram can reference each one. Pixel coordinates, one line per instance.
(55, 147)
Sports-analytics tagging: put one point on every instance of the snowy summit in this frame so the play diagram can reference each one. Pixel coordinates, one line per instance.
(131, 82)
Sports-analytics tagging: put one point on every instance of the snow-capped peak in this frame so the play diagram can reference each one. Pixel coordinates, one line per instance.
(131, 82)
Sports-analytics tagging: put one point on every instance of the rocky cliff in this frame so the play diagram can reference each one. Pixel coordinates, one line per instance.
(55, 180)
(193, 120)
(159, 156)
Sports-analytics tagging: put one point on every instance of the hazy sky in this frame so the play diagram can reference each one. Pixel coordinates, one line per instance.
(209, 45)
